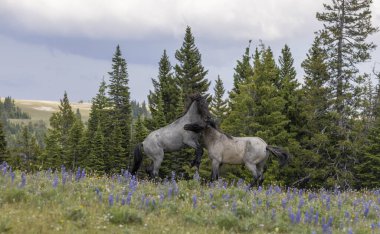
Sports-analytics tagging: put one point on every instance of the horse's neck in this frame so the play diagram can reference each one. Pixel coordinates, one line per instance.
(192, 113)
(210, 135)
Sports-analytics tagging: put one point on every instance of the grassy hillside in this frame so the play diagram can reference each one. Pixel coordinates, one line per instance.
(69, 202)
(42, 110)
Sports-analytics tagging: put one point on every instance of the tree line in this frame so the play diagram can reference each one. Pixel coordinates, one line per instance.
(330, 123)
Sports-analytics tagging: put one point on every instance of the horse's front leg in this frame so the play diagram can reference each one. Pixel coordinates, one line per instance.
(193, 143)
(215, 170)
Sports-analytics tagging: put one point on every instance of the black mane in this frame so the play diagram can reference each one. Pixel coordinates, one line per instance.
(201, 104)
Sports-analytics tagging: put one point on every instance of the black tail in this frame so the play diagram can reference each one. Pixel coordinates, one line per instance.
(138, 156)
(194, 127)
(280, 153)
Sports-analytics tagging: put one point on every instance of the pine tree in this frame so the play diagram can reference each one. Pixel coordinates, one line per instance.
(97, 156)
(120, 98)
(368, 168)
(243, 71)
(3, 145)
(61, 122)
(75, 145)
(116, 158)
(163, 100)
(190, 73)
(218, 105)
(347, 25)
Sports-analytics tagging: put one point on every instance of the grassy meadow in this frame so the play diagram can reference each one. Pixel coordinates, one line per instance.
(77, 202)
(42, 110)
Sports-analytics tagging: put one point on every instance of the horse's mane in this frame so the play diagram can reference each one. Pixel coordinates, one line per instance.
(190, 99)
(213, 125)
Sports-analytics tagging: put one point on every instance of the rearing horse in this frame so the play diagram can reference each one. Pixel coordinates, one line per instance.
(222, 148)
(173, 137)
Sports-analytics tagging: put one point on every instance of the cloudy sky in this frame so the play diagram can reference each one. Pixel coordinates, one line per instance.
(49, 46)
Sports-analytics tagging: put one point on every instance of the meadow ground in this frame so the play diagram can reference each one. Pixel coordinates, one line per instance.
(76, 202)
(42, 110)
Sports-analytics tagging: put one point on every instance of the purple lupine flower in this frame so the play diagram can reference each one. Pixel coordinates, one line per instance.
(339, 204)
(298, 216)
(63, 169)
(356, 219)
(170, 191)
(83, 174)
(301, 202)
(4, 168)
(346, 214)
(23, 180)
(350, 231)
(267, 203)
(147, 201)
(330, 221)
(366, 208)
(259, 189)
(142, 200)
(55, 181)
(306, 219)
(110, 199)
(292, 217)
(64, 178)
(117, 198)
(211, 196)
(162, 197)
(273, 214)
(283, 203)
(12, 176)
(173, 176)
(226, 196)
(123, 201)
(78, 174)
(194, 201)
(129, 198)
(234, 207)
(240, 182)
(373, 227)
(154, 203)
(316, 218)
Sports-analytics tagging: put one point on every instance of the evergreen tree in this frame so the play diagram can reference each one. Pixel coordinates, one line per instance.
(120, 98)
(347, 24)
(368, 168)
(190, 73)
(243, 71)
(75, 146)
(139, 134)
(116, 158)
(97, 156)
(218, 105)
(164, 99)
(3, 145)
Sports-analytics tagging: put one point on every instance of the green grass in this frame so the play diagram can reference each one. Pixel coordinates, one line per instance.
(94, 204)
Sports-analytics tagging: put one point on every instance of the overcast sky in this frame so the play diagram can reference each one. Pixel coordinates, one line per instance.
(49, 46)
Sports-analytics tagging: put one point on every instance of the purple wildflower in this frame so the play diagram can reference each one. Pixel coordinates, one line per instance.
(316, 218)
(267, 204)
(110, 200)
(292, 217)
(4, 168)
(64, 178)
(366, 208)
(350, 231)
(301, 202)
(147, 201)
(346, 214)
(123, 201)
(283, 203)
(55, 181)
(162, 197)
(211, 196)
(78, 174)
(12, 176)
(196, 176)
(129, 197)
(23, 180)
(83, 174)
(298, 216)
(170, 192)
(273, 214)
(194, 201)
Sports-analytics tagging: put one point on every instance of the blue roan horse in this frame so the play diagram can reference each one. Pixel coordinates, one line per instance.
(174, 137)
(222, 148)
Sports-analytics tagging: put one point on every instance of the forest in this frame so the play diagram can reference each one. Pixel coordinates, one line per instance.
(329, 120)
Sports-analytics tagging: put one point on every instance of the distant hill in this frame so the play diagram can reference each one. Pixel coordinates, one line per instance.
(42, 110)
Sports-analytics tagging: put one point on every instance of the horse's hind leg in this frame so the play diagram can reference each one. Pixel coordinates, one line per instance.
(252, 167)
(157, 163)
(260, 173)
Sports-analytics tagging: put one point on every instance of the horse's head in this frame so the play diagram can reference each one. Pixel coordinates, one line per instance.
(202, 106)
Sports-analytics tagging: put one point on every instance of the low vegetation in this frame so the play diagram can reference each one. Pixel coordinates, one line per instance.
(75, 202)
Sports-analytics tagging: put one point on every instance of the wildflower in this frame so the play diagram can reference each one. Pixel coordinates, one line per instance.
(211, 196)
(123, 201)
(273, 214)
(78, 174)
(170, 191)
(298, 216)
(173, 176)
(23, 180)
(267, 204)
(129, 197)
(194, 201)
(196, 176)
(147, 201)
(64, 178)
(292, 217)
(346, 214)
(13, 176)
(162, 197)
(55, 181)
(110, 200)
(366, 209)
(283, 203)
(350, 231)
(316, 219)
(300, 203)
(83, 174)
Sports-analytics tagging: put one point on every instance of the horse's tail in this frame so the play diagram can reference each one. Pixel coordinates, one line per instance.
(280, 153)
(137, 156)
